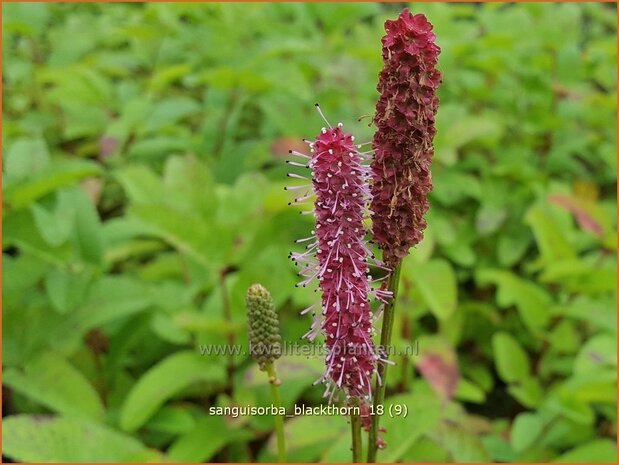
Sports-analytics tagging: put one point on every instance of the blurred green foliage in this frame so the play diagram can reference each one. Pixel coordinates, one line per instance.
(142, 194)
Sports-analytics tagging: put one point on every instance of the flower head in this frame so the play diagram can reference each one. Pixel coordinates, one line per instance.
(337, 256)
(264, 338)
(403, 146)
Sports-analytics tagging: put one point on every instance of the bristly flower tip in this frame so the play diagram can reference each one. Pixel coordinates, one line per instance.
(403, 147)
(337, 257)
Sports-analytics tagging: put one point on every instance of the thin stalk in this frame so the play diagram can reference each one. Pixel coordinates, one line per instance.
(385, 343)
(279, 420)
(355, 425)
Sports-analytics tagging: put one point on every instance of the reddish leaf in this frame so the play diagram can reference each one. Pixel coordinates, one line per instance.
(442, 373)
(107, 146)
(585, 220)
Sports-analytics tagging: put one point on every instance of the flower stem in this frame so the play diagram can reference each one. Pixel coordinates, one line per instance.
(355, 424)
(385, 342)
(279, 420)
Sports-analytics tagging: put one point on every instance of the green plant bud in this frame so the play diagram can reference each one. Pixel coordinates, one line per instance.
(264, 338)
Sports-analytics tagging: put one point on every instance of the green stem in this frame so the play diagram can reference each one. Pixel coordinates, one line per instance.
(355, 425)
(279, 420)
(385, 343)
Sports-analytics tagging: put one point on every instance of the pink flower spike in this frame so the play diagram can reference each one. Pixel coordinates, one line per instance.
(340, 183)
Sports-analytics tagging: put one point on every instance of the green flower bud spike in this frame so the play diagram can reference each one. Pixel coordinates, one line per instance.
(265, 348)
(264, 339)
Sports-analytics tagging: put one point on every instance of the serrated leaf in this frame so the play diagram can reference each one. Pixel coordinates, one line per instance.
(163, 381)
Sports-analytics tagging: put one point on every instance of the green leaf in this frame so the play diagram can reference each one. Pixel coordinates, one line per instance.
(180, 208)
(528, 392)
(550, 237)
(188, 233)
(452, 186)
(525, 430)
(511, 360)
(498, 448)
(176, 419)
(307, 437)
(44, 439)
(424, 413)
(591, 386)
(338, 451)
(55, 226)
(158, 147)
(55, 176)
(597, 451)
(23, 18)
(25, 158)
(166, 76)
(425, 450)
(110, 298)
(599, 351)
(489, 218)
(55, 383)
(141, 184)
(462, 444)
(192, 447)
(88, 233)
(600, 312)
(190, 186)
(469, 392)
(436, 282)
(163, 381)
(169, 111)
(66, 289)
(511, 247)
(531, 300)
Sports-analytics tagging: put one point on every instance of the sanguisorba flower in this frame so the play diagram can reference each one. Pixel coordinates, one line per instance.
(264, 338)
(403, 147)
(337, 256)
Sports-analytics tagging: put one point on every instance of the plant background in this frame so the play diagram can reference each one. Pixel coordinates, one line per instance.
(142, 194)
